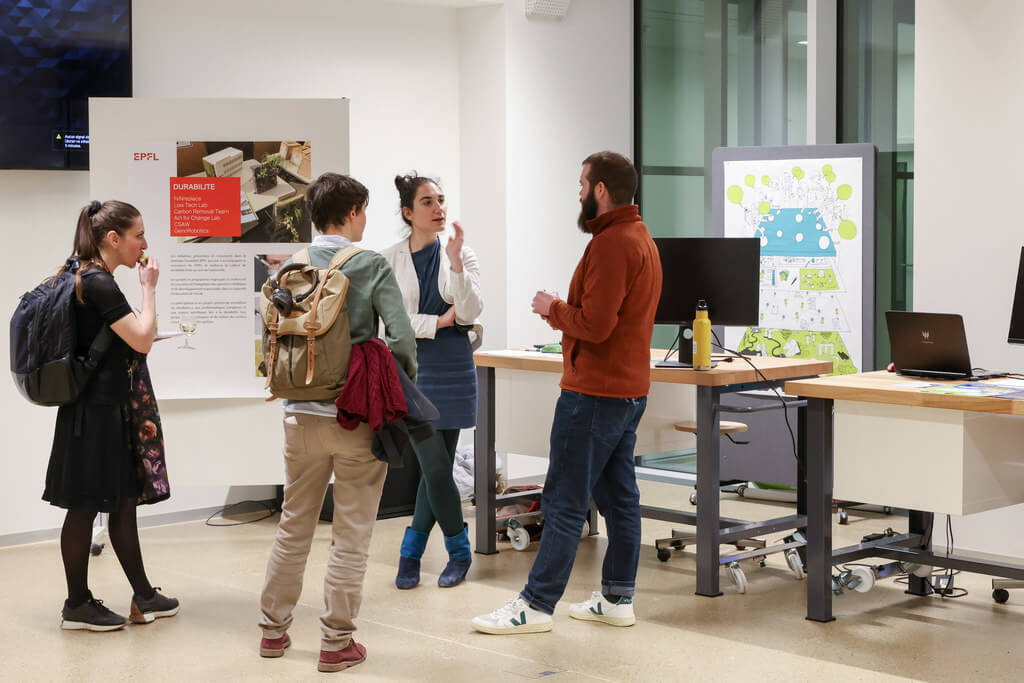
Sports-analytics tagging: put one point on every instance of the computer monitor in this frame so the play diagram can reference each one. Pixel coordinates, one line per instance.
(1017, 316)
(725, 272)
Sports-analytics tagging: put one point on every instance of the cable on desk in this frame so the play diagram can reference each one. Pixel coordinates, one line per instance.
(775, 390)
(671, 348)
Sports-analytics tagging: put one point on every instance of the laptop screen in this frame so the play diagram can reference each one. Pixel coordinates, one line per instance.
(928, 343)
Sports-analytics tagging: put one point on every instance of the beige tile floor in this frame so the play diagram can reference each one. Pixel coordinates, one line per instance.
(424, 634)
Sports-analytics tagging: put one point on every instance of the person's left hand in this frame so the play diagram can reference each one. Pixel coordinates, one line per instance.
(542, 304)
(454, 247)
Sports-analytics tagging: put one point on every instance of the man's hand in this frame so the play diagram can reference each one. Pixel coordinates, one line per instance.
(542, 304)
(447, 319)
(454, 247)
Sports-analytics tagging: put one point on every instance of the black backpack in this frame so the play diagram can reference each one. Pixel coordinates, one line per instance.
(43, 339)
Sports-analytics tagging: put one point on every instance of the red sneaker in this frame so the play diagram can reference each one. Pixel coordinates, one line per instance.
(336, 660)
(274, 647)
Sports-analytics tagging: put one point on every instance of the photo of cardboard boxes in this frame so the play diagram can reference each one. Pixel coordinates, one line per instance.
(274, 176)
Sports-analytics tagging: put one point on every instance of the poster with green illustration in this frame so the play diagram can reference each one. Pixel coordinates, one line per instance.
(809, 214)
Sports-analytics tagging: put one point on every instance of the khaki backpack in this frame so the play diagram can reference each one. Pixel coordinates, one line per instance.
(307, 350)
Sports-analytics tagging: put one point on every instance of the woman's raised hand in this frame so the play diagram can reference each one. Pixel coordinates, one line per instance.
(149, 273)
(454, 247)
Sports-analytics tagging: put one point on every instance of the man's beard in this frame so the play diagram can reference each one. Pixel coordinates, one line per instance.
(588, 211)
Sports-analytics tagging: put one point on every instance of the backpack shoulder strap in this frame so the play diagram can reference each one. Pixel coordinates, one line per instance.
(343, 255)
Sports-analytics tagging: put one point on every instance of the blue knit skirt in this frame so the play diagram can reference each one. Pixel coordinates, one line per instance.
(447, 376)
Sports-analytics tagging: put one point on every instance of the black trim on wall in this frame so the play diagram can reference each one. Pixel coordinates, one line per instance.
(638, 125)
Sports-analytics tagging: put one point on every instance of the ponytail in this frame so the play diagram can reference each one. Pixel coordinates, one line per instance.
(95, 220)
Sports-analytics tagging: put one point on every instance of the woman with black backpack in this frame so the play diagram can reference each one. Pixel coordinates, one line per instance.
(107, 453)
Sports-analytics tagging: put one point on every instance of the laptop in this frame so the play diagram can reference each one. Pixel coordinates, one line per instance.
(932, 345)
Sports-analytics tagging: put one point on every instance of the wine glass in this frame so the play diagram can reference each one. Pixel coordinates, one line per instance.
(189, 328)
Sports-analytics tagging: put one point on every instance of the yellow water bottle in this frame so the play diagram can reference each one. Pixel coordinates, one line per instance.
(702, 338)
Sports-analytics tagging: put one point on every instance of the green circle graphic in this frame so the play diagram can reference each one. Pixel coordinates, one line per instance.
(844, 192)
(766, 181)
(749, 180)
(735, 194)
(798, 173)
(763, 208)
(847, 229)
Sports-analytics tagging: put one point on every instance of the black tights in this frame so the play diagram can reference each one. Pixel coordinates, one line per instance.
(76, 540)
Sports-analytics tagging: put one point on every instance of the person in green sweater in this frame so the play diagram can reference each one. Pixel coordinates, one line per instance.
(316, 446)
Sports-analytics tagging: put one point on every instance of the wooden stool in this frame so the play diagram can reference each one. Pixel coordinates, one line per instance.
(724, 427)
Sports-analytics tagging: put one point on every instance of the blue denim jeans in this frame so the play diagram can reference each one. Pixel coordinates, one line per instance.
(592, 441)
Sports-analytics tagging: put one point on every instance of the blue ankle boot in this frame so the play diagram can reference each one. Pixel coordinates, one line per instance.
(460, 556)
(413, 544)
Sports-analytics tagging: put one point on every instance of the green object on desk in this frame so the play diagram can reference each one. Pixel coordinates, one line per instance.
(551, 348)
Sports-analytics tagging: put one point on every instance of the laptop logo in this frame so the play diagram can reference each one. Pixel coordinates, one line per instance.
(926, 337)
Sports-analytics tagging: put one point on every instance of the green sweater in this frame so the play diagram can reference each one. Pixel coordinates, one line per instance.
(373, 293)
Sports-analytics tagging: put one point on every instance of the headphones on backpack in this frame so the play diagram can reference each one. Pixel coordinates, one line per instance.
(282, 298)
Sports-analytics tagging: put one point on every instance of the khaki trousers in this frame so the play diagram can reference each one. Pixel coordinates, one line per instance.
(315, 447)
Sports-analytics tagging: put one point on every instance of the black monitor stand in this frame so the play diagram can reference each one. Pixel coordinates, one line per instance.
(685, 355)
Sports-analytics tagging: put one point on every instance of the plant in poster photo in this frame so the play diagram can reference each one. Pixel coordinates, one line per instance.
(287, 224)
(266, 173)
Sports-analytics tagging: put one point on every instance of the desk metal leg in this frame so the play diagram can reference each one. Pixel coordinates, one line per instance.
(484, 463)
(708, 399)
(819, 509)
(801, 474)
(920, 523)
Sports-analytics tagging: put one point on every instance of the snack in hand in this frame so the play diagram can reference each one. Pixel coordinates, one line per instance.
(143, 258)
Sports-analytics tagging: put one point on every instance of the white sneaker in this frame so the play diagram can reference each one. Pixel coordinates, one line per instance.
(599, 609)
(515, 617)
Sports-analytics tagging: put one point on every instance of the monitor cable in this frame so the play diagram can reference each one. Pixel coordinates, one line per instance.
(775, 390)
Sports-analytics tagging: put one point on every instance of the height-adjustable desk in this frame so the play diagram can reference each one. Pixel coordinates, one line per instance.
(877, 437)
(710, 385)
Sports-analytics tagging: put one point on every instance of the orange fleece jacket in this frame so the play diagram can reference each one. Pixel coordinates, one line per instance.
(608, 318)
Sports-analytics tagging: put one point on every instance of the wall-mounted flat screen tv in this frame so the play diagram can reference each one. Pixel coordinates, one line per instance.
(54, 56)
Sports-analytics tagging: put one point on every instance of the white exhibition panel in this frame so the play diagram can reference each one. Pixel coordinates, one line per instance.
(134, 155)
(525, 406)
(219, 430)
(942, 461)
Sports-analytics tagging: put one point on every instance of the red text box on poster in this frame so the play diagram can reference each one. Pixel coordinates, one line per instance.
(206, 207)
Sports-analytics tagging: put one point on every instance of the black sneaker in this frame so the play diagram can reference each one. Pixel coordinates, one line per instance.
(145, 611)
(91, 615)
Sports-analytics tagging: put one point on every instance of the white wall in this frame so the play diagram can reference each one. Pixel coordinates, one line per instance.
(482, 105)
(503, 108)
(968, 236)
(570, 93)
(397, 63)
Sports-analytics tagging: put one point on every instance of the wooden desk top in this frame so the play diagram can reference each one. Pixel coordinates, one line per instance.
(884, 387)
(725, 374)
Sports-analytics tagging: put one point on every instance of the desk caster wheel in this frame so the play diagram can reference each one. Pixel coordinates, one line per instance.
(843, 517)
(664, 554)
(519, 536)
(97, 548)
(739, 579)
(586, 529)
(741, 490)
(693, 498)
(795, 565)
(1001, 595)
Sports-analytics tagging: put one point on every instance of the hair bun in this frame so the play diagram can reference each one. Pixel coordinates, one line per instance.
(402, 181)
(94, 207)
